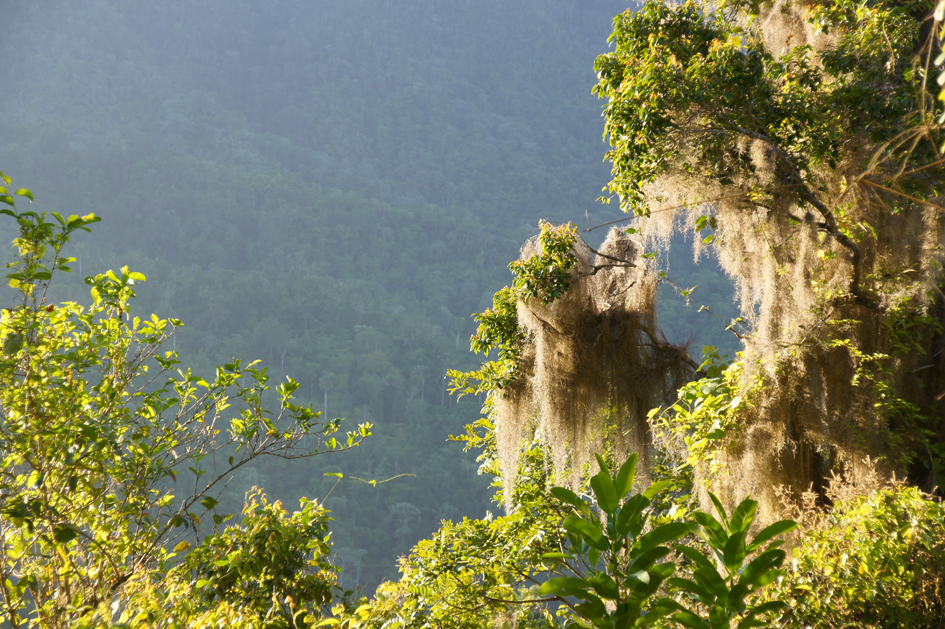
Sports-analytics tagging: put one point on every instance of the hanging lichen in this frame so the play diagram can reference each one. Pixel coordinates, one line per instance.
(802, 138)
(580, 359)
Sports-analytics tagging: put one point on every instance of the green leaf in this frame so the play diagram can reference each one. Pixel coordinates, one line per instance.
(209, 503)
(704, 595)
(604, 490)
(712, 530)
(721, 511)
(770, 532)
(604, 585)
(625, 476)
(630, 519)
(640, 576)
(743, 516)
(690, 620)
(557, 555)
(763, 568)
(587, 530)
(694, 556)
(65, 533)
(758, 610)
(23, 192)
(661, 535)
(563, 584)
(566, 495)
(656, 488)
(660, 609)
(593, 609)
(645, 560)
(710, 579)
(734, 552)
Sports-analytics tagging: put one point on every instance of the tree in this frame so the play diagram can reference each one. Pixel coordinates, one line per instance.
(114, 457)
(800, 143)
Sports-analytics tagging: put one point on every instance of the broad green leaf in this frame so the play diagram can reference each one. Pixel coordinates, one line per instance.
(625, 476)
(641, 576)
(645, 560)
(662, 571)
(751, 621)
(711, 580)
(754, 573)
(660, 535)
(630, 519)
(209, 503)
(605, 585)
(702, 593)
(736, 596)
(660, 609)
(65, 533)
(562, 584)
(721, 511)
(712, 531)
(556, 556)
(592, 608)
(602, 464)
(566, 495)
(734, 552)
(23, 192)
(770, 532)
(587, 530)
(743, 516)
(656, 488)
(694, 555)
(690, 620)
(605, 492)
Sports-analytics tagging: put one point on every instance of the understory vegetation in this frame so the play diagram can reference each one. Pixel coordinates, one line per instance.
(794, 484)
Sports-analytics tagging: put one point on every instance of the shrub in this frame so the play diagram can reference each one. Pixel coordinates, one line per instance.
(875, 561)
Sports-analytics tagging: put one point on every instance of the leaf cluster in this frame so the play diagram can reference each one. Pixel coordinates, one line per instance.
(112, 455)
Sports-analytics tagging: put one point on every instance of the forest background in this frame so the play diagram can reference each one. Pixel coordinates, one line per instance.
(331, 188)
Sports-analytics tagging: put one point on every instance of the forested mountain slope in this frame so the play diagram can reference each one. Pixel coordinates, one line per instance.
(330, 187)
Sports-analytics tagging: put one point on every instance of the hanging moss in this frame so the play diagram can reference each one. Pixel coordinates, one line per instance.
(798, 136)
(590, 362)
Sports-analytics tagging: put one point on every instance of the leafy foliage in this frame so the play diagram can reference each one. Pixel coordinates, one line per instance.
(615, 560)
(873, 561)
(112, 455)
(273, 566)
(545, 275)
(702, 421)
(735, 597)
